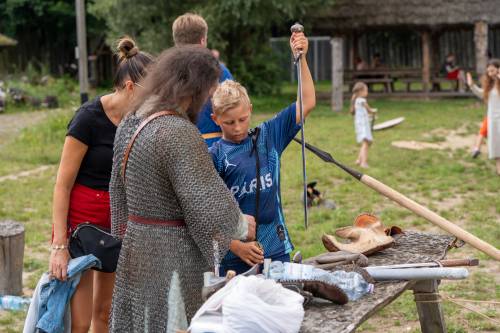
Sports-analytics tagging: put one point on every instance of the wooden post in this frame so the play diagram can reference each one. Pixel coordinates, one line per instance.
(337, 98)
(481, 45)
(435, 59)
(426, 61)
(11, 257)
(429, 309)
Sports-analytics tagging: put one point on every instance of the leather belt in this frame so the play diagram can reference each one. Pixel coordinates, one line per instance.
(211, 135)
(151, 221)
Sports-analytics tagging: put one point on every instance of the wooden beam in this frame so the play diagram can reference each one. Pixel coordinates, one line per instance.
(429, 309)
(481, 45)
(426, 60)
(337, 74)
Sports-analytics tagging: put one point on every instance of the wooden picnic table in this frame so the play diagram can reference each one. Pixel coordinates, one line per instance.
(411, 247)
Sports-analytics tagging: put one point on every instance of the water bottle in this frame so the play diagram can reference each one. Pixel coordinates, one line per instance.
(276, 270)
(351, 283)
(16, 303)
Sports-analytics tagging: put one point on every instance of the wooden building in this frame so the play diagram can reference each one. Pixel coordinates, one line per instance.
(423, 26)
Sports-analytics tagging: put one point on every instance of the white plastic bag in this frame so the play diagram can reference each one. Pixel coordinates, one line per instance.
(252, 304)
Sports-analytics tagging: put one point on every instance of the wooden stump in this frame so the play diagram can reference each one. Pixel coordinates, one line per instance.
(11, 257)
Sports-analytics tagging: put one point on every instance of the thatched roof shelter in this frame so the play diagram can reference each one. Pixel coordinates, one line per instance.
(6, 41)
(348, 15)
(426, 29)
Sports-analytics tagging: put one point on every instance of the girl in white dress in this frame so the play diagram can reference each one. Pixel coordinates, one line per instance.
(490, 91)
(362, 121)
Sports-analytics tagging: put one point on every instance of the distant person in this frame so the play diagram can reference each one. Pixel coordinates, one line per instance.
(360, 64)
(362, 121)
(81, 190)
(490, 91)
(193, 29)
(453, 72)
(377, 61)
(483, 130)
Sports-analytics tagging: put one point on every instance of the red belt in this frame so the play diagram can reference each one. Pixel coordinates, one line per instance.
(151, 221)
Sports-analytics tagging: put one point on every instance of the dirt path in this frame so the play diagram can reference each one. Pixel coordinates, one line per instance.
(13, 123)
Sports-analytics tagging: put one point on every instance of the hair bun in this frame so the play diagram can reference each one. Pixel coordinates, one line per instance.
(126, 48)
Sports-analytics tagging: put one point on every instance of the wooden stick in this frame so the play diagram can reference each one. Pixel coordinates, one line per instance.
(431, 216)
(410, 205)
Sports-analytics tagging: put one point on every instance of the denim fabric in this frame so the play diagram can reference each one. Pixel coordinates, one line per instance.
(55, 295)
(32, 316)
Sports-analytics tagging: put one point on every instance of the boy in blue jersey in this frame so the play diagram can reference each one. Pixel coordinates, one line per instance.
(249, 164)
(192, 29)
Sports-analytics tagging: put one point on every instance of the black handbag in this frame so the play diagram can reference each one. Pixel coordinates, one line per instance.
(91, 239)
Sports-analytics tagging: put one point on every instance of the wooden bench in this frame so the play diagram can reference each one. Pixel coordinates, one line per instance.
(437, 81)
(370, 82)
(411, 247)
(408, 81)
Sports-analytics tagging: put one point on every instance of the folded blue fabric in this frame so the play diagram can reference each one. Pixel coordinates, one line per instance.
(55, 295)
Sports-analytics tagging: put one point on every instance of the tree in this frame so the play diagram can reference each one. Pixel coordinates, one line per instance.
(45, 30)
(240, 29)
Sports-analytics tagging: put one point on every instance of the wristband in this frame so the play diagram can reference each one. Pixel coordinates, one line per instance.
(58, 247)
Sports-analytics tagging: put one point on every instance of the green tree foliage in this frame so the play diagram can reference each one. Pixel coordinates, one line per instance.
(240, 29)
(45, 30)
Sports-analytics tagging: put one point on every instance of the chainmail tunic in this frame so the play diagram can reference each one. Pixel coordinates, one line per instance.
(170, 176)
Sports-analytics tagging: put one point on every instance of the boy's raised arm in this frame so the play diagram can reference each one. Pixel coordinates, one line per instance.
(298, 41)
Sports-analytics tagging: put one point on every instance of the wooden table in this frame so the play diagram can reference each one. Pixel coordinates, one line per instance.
(412, 247)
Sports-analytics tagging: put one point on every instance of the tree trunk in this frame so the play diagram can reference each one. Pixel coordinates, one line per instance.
(11, 257)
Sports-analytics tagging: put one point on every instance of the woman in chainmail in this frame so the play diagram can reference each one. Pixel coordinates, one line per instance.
(174, 213)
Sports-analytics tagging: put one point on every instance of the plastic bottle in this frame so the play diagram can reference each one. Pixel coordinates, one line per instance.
(276, 270)
(351, 283)
(16, 303)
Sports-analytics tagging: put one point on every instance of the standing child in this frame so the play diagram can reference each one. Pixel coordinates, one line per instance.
(249, 164)
(490, 91)
(362, 124)
(483, 130)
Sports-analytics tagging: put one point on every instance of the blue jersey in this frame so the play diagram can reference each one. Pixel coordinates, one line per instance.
(236, 165)
(205, 123)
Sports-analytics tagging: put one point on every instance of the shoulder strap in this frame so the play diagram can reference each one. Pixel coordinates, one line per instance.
(255, 135)
(137, 131)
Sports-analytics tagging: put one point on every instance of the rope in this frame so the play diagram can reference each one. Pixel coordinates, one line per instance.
(457, 301)
(475, 301)
(471, 309)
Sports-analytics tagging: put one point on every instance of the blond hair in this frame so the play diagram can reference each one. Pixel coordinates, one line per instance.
(229, 94)
(358, 87)
(189, 29)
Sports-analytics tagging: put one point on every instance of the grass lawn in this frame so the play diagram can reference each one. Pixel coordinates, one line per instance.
(448, 181)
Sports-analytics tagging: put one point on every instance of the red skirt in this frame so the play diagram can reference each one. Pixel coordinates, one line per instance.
(88, 205)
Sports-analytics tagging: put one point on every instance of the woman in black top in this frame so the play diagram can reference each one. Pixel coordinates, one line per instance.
(81, 189)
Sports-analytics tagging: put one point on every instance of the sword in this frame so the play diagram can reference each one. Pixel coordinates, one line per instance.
(297, 61)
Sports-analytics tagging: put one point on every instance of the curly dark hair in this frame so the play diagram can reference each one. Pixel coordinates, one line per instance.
(179, 74)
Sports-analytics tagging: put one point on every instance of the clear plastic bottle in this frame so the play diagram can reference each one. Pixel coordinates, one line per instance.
(16, 303)
(276, 270)
(351, 283)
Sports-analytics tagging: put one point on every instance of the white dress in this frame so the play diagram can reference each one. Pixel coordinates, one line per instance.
(362, 124)
(493, 120)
